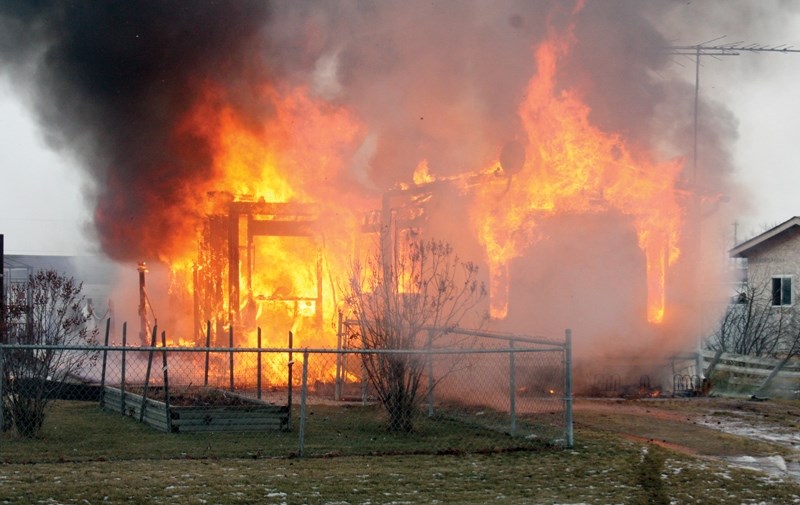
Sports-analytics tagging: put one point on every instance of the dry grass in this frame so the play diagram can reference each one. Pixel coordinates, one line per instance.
(137, 465)
(675, 424)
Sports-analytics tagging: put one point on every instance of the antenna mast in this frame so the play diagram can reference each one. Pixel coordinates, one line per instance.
(708, 48)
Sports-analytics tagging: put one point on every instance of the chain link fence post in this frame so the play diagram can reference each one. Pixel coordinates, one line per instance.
(568, 388)
(258, 366)
(512, 389)
(230, 365)
(303, 397)
(363, 369)
(430, 374)
(151, 350)
(105, 362)
(123, 358)
(290, 379)
(337, 385)
(165, 369)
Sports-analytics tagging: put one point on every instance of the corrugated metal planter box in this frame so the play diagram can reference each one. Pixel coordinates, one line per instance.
(249, 415)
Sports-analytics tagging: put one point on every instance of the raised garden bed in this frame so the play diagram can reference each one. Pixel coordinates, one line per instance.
(198, 410)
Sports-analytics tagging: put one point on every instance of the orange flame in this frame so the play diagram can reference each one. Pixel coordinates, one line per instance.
(299, 154)
(274, 161)
(573, 167)
(422, 173)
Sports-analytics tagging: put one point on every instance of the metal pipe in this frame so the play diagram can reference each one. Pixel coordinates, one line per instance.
(165, 368)
(105, 361)
(208, 353)
(230, 345)
(147, 374)
(142, 268)
(289, 383)
(258, 370)
(122, 372)
(429, 358)
(303, 397)
(364, 358)
(568, 388)
(337, 391)
(557, 345)
(512, 390)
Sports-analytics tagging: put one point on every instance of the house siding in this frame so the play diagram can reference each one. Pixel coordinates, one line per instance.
(779, 257)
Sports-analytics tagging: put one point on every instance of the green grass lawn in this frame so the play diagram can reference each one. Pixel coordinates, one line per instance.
(92, 456)
(76, 431)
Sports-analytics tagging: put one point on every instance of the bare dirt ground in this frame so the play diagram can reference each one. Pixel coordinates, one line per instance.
(763, 434)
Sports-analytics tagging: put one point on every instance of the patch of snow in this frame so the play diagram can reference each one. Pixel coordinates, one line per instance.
(774, 466)
(747, 428)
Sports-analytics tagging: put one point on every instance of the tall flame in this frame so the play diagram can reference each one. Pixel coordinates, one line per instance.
(572, 166)
(275, 161)
(299, 154)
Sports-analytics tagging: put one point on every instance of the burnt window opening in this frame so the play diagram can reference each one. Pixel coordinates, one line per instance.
(781, 291)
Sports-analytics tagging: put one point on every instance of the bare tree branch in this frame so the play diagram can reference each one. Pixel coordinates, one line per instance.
(46, 311)
(405, 302)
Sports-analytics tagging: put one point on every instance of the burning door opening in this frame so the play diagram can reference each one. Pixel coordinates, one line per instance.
(259, 264)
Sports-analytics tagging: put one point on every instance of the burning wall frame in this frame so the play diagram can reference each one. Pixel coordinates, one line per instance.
(227, 258)
(402, 210)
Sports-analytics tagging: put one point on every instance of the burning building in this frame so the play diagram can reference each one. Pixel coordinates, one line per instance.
(233, 284)
(243, 143)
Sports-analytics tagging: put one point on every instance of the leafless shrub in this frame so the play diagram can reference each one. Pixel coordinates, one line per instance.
(47, 311)
(750, 324)
(406, 300)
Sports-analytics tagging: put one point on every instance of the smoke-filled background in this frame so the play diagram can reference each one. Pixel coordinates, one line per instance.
(112, 83)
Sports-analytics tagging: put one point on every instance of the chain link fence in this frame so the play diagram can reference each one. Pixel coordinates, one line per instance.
(490, 393)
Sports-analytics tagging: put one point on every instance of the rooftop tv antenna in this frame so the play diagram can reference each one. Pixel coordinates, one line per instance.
(716, 50)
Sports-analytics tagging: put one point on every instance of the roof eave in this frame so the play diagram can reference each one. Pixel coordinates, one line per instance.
(742, 250)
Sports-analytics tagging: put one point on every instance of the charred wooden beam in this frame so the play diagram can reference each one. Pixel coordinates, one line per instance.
(233, 267)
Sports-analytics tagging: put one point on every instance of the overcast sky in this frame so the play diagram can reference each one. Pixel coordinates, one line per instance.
(41, 207)
(761, 89)
(42, 210)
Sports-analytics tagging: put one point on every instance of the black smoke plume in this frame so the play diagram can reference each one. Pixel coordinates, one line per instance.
(108, 81)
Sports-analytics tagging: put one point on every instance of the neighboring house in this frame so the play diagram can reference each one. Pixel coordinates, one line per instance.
(759, 334)
(773, 263)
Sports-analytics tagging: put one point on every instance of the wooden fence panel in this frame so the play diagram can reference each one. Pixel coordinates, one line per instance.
(752, 375)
